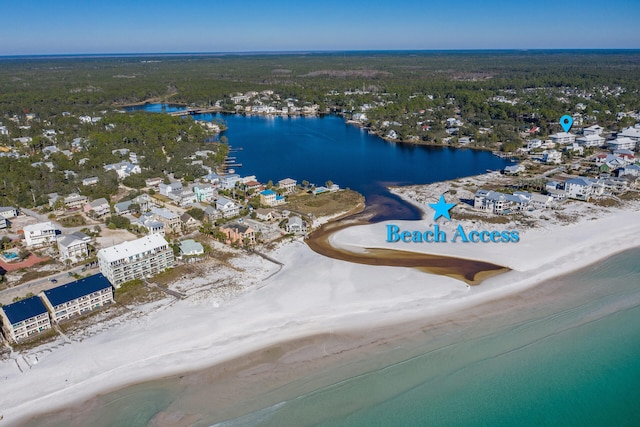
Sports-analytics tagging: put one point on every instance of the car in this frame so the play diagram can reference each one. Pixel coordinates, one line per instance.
(53, 280)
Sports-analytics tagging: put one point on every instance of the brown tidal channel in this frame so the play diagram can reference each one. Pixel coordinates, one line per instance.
(470, 271)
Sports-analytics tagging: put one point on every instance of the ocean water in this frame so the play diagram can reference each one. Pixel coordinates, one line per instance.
(571, 362)
(562, 353)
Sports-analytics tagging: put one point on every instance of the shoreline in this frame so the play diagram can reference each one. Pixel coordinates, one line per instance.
(316, 306)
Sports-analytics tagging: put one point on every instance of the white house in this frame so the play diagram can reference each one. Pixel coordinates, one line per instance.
(583, 188)
(288, 185)
(631, 132)
(8, 212)
(591, 140)
(621, 143)
(227, 207)
(90, 181)
(99, 206)
(593, 130)
(74, 246)
(169, 189)
(229, 181)
(533, 144)
(190, 247)
(563, 138)
(123, 169)
(295, 225)
(271, 198)
(552, 156)
(40, 234)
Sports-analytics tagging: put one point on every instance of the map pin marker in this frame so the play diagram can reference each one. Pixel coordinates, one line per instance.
(566, 122)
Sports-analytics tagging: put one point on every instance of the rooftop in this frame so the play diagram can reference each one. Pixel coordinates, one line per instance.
(77, 289)
(134, 247)
(25, 309)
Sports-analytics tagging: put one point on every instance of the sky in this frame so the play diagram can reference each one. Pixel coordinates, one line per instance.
(160, 26)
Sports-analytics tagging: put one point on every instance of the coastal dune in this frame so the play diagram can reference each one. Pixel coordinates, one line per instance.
(312, 295)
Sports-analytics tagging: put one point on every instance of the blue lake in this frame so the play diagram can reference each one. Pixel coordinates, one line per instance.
(319, 149)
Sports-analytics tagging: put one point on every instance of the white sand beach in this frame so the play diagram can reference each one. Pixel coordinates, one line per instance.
(311, 295)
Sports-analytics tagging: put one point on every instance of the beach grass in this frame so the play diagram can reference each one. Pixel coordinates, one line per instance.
(325, 204)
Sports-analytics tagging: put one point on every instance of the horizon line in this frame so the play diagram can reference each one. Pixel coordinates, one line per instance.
(305, 51)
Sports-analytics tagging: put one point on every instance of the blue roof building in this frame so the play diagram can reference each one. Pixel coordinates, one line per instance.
(24, 318)
(78, 297)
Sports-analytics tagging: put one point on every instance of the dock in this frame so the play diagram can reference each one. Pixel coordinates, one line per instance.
(192, 111)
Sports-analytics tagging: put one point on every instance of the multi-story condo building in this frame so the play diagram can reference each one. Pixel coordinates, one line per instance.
(24, 318)
(136, 259)
(76, 298)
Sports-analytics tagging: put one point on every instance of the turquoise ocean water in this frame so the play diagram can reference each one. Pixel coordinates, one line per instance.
(565, 353)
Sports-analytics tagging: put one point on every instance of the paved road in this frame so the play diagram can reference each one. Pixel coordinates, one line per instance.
(41, 284)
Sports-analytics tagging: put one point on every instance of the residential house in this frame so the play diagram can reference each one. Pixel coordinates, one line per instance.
(189, 222)
(295, 225)
(582, 188)
(170, 219)
(184, 198)
(621, 143)
(574, 148)
(238, 233)
(271, 198)
(190, 247)
(137, 259)
(74, 246)
(90, 181)
(153, 182)
(229, 181)
(632, 133)
(211, 214)
(3, 223)
(75, 201)
(499, 203)
(151, 224)
(123, 169)
(77, 298)
(227, 207)
(513, 169)
(213, 178)
(204, 193)
(23, 319)
(267, 214)
(100, 207)
(533, 144)
(40, 234)
(170, 189)
(536, 200)
(288, 185)
(595, 130)
(552, 156)
(8, 212)
(630, 170)
(591, 140)
(563, 138)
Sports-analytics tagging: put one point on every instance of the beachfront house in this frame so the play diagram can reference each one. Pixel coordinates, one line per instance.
(191, 248)
(23, 319)
(137, 259)
(238, 233)
(79, 297)
(295, 225)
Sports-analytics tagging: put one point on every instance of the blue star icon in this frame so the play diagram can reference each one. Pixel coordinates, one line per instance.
(442, 208)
